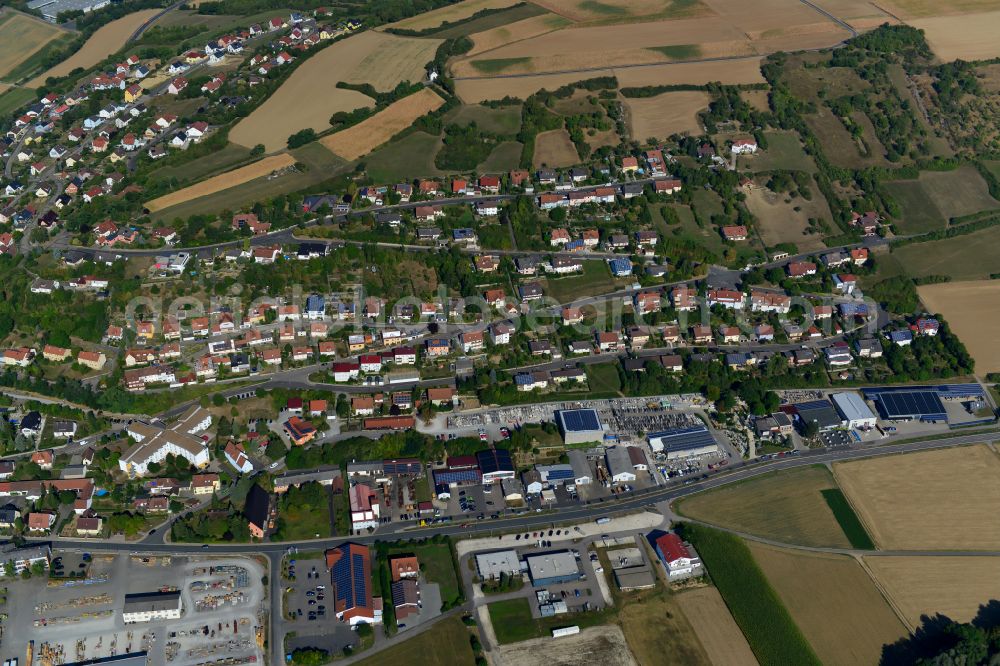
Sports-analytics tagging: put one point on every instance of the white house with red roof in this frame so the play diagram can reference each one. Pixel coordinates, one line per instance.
(678, 558)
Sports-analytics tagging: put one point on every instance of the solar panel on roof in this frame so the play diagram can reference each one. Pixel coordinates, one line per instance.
(580, 419)
(681, 439)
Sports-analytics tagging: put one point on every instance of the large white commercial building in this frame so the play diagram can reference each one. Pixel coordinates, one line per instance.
(491, 565)
(854, 410)
(152, 606)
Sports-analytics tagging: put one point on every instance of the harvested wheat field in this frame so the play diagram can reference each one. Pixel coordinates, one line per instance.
(973, 313)
(969, 37)
(716, 629)
(833, 601)
(743, 70)
(371, 133)
(554, 149)
(449, 14)
(666, 114)
(387, 59)
(860, 14)
(21, 36)
(515, 32)
(911, 9)
(597, 645)
(108, 39)
(615, 11)
(786, 506)
(223, 181)
(952, 586)
(948, 498)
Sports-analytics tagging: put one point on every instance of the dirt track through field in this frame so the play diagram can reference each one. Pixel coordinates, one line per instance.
(369, 134)
(222, 181)
(973, 313)
(105, 41)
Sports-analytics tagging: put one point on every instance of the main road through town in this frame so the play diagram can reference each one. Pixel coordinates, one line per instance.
(155, 543)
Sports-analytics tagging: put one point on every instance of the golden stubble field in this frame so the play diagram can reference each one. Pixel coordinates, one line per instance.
(715, 627)
(953, 586)
(973, 313)
(21, 36)
(516, 31)
(449, 14)
(554, 149)
(969, 36)
(223, 181)
(611, 11)
(780, 222)
(310, 95)
(105, 41)
(666, 114)
(785, 506)
(371, 133)
(833, 601)
(943, 499)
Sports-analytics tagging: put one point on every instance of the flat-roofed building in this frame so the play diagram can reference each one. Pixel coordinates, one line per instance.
(552, 568)
(491, 565)
(151, 606)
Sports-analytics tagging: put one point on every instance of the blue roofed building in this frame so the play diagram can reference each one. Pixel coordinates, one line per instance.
(315, 307)
(620, 267)
(579, 426)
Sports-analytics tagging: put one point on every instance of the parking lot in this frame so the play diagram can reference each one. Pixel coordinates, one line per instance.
(308, 608)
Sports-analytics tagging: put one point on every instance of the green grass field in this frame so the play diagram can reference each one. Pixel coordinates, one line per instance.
(504, 157)
(969, 257)
(446, 644)
(784, 151)
(14, 99)
(766, 623)
(929, 201)
(410, 157)
(505, 120)
(495, 20)
(226, 159)
(849, 521)
(497, 65)
(678, 51)
(436, 563)
(603, 377)
(595, 280)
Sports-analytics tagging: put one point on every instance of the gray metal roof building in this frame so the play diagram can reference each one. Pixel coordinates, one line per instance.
(582, 474)
(552, 568)
(683, 442)
(491, 565)
(620, 465)
(854, 409)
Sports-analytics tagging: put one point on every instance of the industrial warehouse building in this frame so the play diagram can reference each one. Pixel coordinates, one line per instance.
(491, 565)
(496, 465)
(620, 465)
(552, 568)
(820, 412)
(855, 412)
(150, 606)
(579, 426)
(908, 404)
(683, 442)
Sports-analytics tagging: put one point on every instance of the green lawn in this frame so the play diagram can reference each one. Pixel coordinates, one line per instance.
(849, 521)
(446, 644)
(928, 202)
(757, 609)
(512, 621)
(410, 157)
(437, 564)
(603, 377)
(505, 157)
(596, 279)
(317, 157)
(505, 120)
(784, 151)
